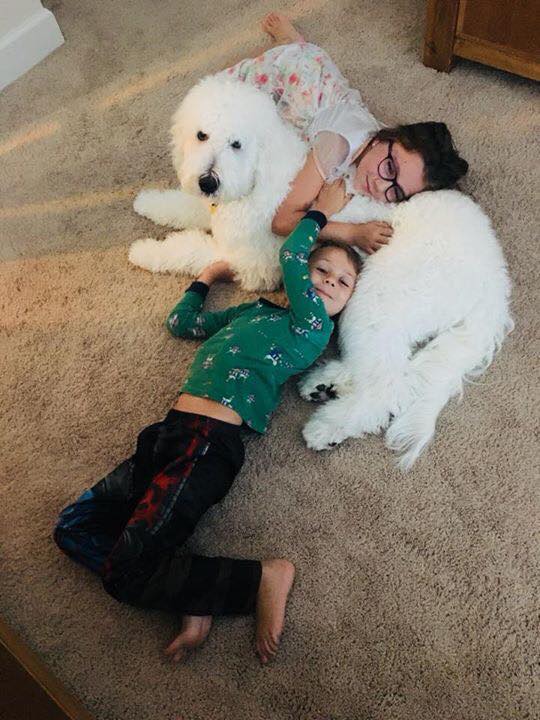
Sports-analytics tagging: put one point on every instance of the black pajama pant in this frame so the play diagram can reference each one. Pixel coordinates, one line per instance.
(130, 526)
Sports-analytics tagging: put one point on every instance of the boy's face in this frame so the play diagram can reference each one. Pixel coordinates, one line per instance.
(333, 276)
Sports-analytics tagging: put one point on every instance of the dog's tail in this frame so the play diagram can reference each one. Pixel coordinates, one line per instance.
(437, 371)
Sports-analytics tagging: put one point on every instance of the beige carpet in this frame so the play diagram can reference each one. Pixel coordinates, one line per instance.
(417, 596)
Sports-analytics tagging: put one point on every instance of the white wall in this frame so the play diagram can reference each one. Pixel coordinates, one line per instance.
(14, 12)
(28, 33)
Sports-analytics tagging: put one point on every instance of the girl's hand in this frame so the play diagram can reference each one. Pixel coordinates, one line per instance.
(219, 270)
(371, 236)
(332, 198)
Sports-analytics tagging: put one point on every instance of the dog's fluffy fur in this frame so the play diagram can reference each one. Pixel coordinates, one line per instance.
(253, 179)
(430, 309)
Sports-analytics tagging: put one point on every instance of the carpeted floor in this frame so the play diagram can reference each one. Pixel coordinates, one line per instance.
(416, 596)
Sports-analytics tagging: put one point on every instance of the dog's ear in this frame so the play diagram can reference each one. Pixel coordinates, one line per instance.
(178, 135)
(281, 154)
(184, 117)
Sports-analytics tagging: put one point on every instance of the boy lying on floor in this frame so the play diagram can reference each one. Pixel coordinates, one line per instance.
(130, 525)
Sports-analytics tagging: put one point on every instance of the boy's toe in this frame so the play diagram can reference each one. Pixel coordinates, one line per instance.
(261, 654)
(172, 648)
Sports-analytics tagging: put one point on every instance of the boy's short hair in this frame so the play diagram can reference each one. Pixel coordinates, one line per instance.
(353, 256)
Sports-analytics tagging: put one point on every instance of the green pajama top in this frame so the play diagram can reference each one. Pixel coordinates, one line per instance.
(253, 348)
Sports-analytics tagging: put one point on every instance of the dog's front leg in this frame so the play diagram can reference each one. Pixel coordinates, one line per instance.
(359, 413)
(186, 252)
(174, 208)
(256, 263)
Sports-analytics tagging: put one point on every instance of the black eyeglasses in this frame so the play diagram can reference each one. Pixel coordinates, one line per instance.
(387, 171)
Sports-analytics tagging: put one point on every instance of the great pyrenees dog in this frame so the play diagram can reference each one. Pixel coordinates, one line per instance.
(430, 309)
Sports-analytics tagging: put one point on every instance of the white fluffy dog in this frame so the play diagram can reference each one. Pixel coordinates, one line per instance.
(235, 159)
(430, 309)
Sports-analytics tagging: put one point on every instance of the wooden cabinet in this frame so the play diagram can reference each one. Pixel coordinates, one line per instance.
(501, 33)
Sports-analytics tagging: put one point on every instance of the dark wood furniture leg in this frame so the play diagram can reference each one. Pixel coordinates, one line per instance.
(441, 20)
(28, 689)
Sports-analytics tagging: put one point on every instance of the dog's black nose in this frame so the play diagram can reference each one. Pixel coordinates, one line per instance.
(208, 184)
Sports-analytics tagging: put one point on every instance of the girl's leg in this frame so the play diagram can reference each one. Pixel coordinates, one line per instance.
(88, 529)
(264, 69)
(280, 29)
(298, 76)
(200, 458)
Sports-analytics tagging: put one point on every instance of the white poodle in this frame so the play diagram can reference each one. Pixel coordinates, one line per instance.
(235, 159)
(430, 308)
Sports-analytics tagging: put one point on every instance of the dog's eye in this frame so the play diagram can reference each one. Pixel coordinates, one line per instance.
(202, 136)
(236, 144)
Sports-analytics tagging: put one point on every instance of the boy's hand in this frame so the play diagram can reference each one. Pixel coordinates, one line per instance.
(219, 270)
(371, 236)
(332, 198)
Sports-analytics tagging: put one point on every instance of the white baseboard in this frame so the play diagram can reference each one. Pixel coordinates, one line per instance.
(28, 44)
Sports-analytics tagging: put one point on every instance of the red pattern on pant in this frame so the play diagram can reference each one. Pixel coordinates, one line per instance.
(163, 484)
(152, 510)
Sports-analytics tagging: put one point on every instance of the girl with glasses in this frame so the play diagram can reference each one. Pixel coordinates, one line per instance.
(345, 140)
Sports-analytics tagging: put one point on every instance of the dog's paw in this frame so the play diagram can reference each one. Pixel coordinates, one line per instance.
(145, 202)
(326, 381)
(322, 393)
(144, 253)
(310, 386)
(319, 435)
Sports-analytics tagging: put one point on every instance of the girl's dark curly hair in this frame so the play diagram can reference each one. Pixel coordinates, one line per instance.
(443, 165)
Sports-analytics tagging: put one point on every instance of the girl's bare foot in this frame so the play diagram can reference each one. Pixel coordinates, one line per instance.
(280, 29)
(276, 582)
(195, 630)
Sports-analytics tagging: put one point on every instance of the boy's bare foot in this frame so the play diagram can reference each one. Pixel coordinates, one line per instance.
(276, 582)
(195, 630)
(280, 29)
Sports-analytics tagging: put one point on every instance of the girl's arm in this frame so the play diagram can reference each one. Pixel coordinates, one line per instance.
(304, 189)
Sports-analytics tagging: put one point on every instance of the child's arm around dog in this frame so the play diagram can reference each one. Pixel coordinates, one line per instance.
(188, 320)
(308, 314)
